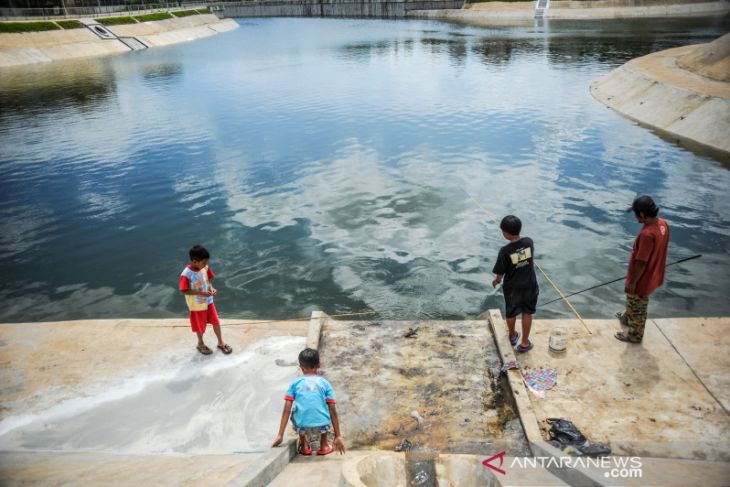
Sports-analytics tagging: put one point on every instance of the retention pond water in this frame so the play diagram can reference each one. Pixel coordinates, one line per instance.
(326, 164)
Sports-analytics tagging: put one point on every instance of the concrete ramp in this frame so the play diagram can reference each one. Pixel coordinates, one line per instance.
(430, 385)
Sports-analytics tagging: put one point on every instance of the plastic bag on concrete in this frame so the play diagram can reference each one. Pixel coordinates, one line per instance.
(565, 432)
(566, 436)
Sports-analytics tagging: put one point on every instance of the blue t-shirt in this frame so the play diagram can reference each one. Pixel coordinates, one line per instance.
(310, 394)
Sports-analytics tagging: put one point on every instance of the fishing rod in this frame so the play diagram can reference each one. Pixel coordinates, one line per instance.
(616, 280)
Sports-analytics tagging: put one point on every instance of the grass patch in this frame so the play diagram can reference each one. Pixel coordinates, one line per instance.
(70, 24)
(155, 16)
(205, 10)
(116, 21)
(27, 26)
(185, 13)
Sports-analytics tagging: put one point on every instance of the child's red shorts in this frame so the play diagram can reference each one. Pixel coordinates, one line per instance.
(199, 319)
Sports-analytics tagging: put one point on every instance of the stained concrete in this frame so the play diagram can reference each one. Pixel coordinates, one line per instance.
(18, 49)
(432, 383)
(686, 106)
(639, 399)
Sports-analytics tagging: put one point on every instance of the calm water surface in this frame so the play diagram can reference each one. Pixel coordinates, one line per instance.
(326, 165)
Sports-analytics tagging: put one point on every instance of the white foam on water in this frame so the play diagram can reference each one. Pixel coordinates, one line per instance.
(230, 403)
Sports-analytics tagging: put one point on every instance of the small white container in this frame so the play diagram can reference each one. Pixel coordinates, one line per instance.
(558, 339)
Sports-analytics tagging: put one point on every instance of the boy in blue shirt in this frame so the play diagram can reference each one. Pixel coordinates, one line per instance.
(314, 409)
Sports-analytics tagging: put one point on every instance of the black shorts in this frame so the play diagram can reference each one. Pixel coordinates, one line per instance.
(520, 301)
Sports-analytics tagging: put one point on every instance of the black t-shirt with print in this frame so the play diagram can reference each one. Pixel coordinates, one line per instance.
(515, 261)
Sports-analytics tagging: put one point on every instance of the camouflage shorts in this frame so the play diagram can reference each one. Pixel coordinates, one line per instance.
(312, 431)
(634, 316)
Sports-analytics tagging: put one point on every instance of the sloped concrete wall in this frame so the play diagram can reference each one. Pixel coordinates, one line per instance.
(335, 8)
(655, 91)
(42, 47)
(497, 13)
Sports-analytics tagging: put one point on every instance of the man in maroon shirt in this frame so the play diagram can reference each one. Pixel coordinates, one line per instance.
(646, 268)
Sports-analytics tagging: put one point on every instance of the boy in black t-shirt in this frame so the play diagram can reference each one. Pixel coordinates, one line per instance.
(515, 263)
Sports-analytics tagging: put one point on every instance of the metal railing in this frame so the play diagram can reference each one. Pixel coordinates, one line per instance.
(100, 10)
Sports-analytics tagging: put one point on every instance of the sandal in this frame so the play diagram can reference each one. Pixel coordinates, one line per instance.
(305, 452)
(624, 337)
(225, 348)
(522, 349)
(326, 452)
(204, 349)
(513, 341)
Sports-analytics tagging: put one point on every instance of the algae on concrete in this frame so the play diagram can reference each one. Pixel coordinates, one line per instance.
(436, 387)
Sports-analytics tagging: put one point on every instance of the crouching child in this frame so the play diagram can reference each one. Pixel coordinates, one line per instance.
(310, 401)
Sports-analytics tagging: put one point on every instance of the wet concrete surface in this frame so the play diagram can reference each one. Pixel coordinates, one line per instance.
(420, 385)
(140, 386)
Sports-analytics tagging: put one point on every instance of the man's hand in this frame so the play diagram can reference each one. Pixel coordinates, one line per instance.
(339, 445)
(496, 281)
(277, 441)
(213, 291)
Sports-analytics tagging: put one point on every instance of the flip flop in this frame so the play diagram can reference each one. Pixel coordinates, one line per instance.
(204, 350)
(624, 337)
(225, 348)
(521, 349)
(304, 452)
(326, 452)
(513, 341)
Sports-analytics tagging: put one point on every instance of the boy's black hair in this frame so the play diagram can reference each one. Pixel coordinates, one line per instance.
(511, 224)
(198, 252)
(309, 358)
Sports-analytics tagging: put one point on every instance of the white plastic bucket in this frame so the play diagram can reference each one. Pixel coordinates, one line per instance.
(558, 339)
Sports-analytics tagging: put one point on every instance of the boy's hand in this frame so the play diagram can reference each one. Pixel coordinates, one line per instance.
(277, 441)
(339, 445)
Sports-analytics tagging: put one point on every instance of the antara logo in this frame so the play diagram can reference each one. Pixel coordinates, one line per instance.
(500, 455)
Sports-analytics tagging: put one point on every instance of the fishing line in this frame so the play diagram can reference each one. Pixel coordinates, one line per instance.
(617, 279)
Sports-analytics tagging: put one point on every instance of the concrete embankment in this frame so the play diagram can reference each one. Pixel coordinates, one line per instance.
(41, 47)
(498, 13)
(683, 93)
(335, 8)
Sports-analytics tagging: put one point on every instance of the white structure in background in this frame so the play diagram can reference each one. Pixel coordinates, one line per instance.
(540, 7)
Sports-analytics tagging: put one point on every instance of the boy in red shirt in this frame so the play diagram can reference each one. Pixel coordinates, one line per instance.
(646, 268)
(196, 286)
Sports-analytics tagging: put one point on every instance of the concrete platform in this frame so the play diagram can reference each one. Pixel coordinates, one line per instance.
(661, 400)
(45, 367)
(43, 468)
(642, 399)
(664, 400)
(42, 364)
